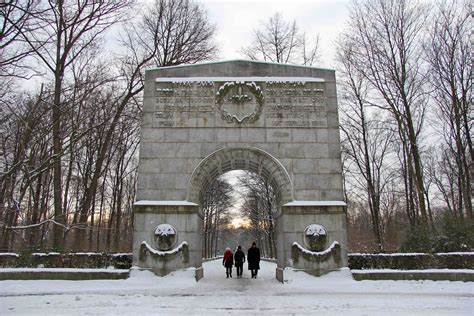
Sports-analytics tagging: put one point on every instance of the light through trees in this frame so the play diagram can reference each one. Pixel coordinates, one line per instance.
(238, 208)
(69, 147)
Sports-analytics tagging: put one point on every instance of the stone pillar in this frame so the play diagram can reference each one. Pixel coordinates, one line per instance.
(313, 237)
(167, 236)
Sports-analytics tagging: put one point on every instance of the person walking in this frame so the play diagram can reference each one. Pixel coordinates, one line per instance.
(239, 258)
(253, 259)
(228, 261)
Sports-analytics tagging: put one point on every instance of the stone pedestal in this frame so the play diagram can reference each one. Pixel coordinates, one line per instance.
(185, 250)
(296, 253)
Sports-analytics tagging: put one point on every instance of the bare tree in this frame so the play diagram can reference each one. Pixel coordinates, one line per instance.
(67, 29)
(386, 39)
(260, 207)
(180, 31)
(216, 201)
(366, 141)
(280, 41)
(144, 47)
(449, 56)
(126, 145)
(17, 17)
(442, 171)
(94, 108)
(21, 157)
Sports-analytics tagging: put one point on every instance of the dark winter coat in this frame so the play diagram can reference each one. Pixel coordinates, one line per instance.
(253, 258)
(239, 257)
(228, 260)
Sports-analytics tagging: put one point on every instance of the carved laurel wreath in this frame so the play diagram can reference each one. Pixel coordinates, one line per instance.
(230, 118)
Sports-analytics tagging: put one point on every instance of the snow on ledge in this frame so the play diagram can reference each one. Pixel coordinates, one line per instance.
(9, 254)
(86, 254)
(459, 253)
(315, 203)
(424, 271)
(164, 253)
(44, 254)
(164, 203)
(242, 60)
(63, 270)
(240, 79)
(120, 254)
(401, 254)
(411, 254)
(317, 253)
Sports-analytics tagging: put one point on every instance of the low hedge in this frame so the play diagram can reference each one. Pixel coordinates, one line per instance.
(412, 261)
(357, 261)
(68, 260)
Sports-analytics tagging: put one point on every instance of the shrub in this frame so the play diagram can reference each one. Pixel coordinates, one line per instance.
(411, 261)
(449, 234)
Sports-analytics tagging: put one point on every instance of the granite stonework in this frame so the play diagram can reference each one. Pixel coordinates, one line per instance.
(279, 121)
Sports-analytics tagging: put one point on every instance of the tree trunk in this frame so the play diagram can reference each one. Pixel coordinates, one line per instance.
(58, 232)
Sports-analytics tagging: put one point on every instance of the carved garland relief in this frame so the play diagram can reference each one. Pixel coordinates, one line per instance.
(240, 102)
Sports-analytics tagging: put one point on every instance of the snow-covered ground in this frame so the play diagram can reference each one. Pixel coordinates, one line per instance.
(178, 294)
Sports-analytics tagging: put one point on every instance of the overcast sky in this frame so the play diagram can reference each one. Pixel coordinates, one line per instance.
(237, 19)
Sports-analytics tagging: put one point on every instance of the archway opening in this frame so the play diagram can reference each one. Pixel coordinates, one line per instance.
(240, 158)
(238, 208)
(255, 161)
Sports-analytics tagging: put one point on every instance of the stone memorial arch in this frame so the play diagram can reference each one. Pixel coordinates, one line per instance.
(201, 121)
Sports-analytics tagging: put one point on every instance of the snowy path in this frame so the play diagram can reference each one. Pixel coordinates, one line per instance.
(145, 294)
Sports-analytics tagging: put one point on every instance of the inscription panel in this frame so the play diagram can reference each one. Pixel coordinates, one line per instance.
(184, 104)
(190, 102)
(295, 104)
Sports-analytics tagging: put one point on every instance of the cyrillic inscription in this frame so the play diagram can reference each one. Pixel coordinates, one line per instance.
(295, 104)
(184, 104)
(282, 103)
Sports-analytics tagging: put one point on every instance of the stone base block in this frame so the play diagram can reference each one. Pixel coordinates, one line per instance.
(280, 275)
(199, 273)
